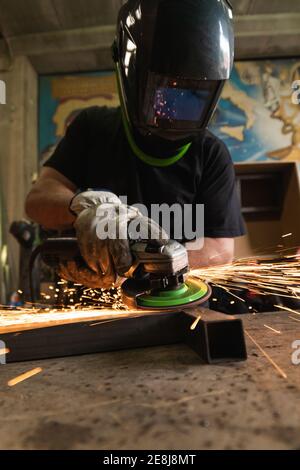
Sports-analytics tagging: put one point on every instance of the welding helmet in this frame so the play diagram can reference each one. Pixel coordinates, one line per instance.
(173, 58)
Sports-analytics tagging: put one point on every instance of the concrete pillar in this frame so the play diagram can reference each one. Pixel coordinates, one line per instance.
(18, 156)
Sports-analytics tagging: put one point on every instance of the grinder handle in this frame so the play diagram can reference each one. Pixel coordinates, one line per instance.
(55, 250)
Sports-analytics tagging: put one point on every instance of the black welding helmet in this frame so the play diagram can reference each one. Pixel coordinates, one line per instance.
(173, 57)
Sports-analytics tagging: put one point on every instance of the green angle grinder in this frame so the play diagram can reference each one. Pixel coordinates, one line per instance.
(157, 280)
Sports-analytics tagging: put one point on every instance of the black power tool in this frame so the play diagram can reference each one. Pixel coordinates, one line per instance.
(157, 280)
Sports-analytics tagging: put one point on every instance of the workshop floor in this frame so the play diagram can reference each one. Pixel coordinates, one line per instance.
(159, 398)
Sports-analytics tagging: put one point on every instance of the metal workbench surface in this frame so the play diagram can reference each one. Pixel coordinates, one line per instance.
(160, 398)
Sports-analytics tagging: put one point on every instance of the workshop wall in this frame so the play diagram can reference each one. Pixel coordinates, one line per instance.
(18, 160)
(4, 268)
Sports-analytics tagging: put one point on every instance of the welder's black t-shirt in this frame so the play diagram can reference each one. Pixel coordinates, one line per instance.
(95, 153)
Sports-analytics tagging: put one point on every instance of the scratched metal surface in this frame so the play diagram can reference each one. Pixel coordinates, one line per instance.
(159, 398)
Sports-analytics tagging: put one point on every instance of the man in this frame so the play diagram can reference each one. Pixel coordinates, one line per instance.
(172, 59)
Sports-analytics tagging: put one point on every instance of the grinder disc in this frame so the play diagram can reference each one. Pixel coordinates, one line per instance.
(191, 292)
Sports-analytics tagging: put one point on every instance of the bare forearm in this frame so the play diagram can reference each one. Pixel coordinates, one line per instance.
(48, 204)
(214, 252)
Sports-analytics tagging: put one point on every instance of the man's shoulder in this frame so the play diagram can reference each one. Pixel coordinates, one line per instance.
(212, 151)
(210, 140)
(211, 148)
(99, 113)
(101, 120)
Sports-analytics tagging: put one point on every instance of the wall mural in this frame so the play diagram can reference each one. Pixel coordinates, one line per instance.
(256, 117)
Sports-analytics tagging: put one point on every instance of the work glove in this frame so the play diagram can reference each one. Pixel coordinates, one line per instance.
(101, 214)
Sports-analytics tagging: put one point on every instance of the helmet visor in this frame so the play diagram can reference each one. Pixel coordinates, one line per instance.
(179, 103)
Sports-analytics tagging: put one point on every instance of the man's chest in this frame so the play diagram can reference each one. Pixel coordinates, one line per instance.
(114, 167)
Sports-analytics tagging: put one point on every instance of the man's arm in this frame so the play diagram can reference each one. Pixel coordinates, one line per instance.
(49, 199)
(223, 218)
(215, 251)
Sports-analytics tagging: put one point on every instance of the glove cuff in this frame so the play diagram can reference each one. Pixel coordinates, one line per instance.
(79, 191)
(88, 198)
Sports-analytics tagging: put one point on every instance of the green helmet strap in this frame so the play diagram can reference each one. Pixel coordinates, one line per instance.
(153, 161)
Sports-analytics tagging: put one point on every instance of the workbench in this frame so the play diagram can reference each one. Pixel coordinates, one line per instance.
(159, 397)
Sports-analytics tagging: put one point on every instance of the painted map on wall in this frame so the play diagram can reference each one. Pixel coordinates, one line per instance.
(256, 117)
(62, 97)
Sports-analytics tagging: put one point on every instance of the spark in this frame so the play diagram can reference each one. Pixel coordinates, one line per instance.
(104, 321)
(287, 309)
(286, 235)
(129, 316)
(29, 319)
(293, 318)
(237, 297)
(272, 362)
(25, 376)
(195, 323)
(273, 329)
(260, 276)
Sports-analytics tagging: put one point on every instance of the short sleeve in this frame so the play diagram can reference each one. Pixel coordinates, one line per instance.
(69, 154)
(218, 193)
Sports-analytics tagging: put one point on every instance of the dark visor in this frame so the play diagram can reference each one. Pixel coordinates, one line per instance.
(178, 103)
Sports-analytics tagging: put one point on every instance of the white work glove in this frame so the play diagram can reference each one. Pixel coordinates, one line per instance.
(107, 260)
